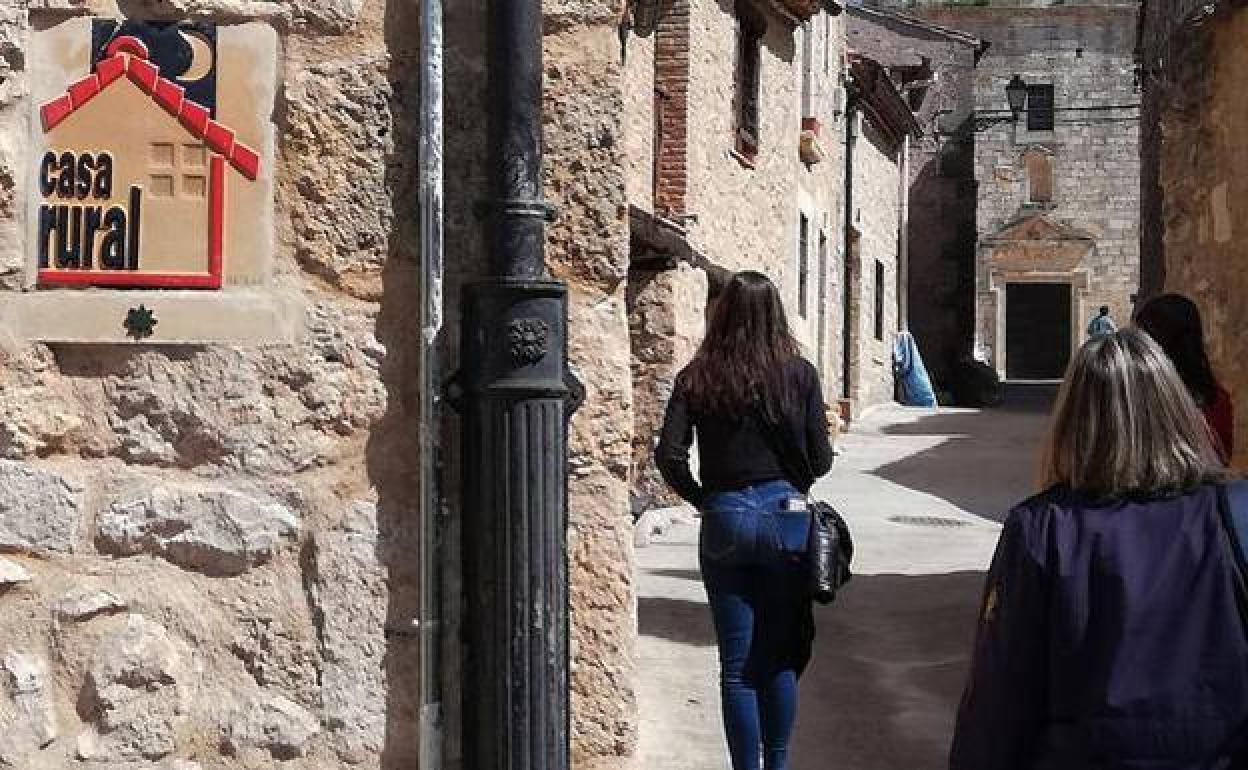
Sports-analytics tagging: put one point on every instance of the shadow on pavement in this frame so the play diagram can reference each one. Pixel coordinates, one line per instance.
(1001, 446)
(890, 662)
(677, 620)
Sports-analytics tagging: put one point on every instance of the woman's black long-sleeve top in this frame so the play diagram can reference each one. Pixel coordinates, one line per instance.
(734, 450)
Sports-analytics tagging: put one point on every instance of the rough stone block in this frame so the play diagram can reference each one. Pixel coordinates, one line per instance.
(28, 720)
(84, 605)
(40, 510)
(349, 596)
(272, 724)
(138, 689)
(12, 573)
(208, 529)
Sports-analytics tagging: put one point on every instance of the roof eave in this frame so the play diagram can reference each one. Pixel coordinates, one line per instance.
(882, 100)
(956, 35)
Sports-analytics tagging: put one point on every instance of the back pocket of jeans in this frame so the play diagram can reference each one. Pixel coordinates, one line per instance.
(728, 536)
(789, 531)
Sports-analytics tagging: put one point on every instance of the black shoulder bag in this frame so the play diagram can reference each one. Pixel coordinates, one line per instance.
(1233, 514)
(829, 549)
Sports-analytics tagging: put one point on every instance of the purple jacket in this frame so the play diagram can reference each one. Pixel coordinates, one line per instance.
(1110, 638)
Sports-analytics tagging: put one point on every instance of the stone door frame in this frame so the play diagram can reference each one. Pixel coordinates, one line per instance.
(990, 322)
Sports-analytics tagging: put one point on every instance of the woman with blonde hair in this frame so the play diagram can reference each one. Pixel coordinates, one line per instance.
(1111, 634)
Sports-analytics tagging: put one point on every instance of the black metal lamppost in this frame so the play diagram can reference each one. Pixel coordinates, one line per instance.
(518, 395)
(1016, 95)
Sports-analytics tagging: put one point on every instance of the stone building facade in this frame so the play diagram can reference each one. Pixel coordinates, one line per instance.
(935, 68)
(1056, 207)
(881, 128)
(704, 204)
(1058, 201)
(1191, 57)
(709, 195)
(212, 538)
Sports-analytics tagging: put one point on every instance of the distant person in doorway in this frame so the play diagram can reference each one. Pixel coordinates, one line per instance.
(1102, 324)
(1110, 634)
(1174, 322)
(745, 392)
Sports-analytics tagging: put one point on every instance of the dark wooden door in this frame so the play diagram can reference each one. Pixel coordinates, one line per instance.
(1037, 330)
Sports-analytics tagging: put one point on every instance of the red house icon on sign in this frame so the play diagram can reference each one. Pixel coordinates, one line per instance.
(148, 209)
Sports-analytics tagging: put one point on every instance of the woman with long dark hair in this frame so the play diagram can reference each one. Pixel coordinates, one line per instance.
(753, 404)
(1173, 321)
(1111, 633)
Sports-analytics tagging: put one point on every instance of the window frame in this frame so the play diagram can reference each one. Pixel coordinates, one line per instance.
(879, 300)
(1043, 117)
(747, 81)
(803, 265)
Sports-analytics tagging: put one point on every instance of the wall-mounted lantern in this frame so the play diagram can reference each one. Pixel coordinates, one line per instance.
(1016, 93)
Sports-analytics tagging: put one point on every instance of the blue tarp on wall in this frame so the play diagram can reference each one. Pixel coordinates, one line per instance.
(916, 385)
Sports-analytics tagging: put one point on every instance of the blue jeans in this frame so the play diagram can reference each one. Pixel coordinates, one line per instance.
(751, 552)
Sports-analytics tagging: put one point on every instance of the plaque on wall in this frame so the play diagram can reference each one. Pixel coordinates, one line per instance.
(149, 210)
(149, 158)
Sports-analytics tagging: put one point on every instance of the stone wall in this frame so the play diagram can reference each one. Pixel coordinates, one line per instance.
(1202, 189)
(206, 544)
(821, 197)
(731, 212)
(942, 200)
(878, 166)
(641, 102)
(667, 315)
(745, 214)
(1086, 53)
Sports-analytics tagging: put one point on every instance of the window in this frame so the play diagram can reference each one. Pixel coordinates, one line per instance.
(179, 170)
(803, 265)
(808, 56)
(822, 327)
(879, 300)
(827, 43)
(749, 51)
(1040, 108)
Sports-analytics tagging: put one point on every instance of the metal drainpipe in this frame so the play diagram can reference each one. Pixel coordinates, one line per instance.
(903, 238)
(431, 208)
(847, 272)
(518, 396)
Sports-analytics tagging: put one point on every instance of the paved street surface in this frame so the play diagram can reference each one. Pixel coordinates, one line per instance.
(923, 492)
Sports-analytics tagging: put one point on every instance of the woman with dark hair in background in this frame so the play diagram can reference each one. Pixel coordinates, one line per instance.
(749, 397)
(1111, 633)
(1174, 322)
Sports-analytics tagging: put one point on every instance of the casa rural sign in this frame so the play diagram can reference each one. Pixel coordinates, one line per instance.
(136, 166)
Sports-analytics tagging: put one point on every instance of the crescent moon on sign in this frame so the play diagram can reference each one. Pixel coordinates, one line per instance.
(201, 57)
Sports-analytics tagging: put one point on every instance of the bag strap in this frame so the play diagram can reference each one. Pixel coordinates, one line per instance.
(1233, 513)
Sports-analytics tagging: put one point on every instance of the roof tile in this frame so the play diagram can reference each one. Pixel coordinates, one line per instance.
(84, 90)
(219, 138)
(143, 73)
(169, 95)
(55, 111)
(110, 69)
(194, 117)
(246, 160)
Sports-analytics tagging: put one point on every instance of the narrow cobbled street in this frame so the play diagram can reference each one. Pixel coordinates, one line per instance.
(924, 493)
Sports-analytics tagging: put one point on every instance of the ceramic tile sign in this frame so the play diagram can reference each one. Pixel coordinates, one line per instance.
(151, 154)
